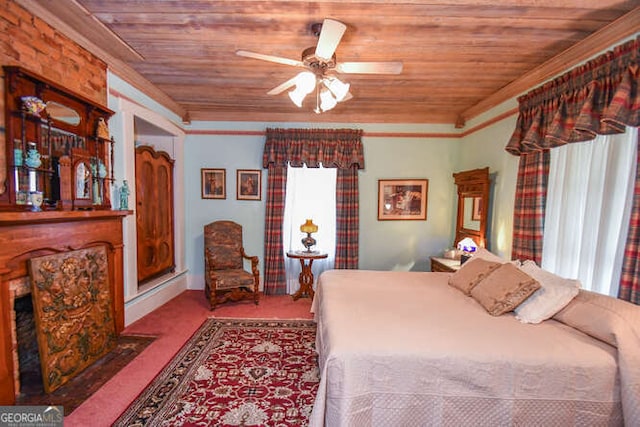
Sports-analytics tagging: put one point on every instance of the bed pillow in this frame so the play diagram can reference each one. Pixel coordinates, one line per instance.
(554, 294)
(504, 289)
(471, 273)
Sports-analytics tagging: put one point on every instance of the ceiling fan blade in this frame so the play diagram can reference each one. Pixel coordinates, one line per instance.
(369, 67)
(284, 86)
(270, 58)
(330, 36)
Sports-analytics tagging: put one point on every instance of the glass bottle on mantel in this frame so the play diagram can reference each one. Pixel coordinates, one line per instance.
(17, 153)
(33, 161)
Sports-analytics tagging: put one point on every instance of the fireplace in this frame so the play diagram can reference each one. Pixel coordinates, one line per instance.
(27, 374)
(24, 235)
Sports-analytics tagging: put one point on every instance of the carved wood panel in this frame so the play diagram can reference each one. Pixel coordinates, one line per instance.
(72, 305)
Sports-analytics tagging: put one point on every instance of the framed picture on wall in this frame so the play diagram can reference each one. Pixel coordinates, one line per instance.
(402, 199)
(213, 183)
(248, 184)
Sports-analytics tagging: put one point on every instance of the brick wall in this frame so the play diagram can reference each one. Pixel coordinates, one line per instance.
(31, 43)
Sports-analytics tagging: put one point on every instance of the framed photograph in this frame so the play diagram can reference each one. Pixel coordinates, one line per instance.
(213, 183)
(476, 213)
(248, 184)
(400, 199)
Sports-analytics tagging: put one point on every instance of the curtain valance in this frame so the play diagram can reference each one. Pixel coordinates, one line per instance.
(334, 148)
(598, 98)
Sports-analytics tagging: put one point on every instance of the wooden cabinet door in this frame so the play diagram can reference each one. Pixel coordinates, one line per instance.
(154, 213)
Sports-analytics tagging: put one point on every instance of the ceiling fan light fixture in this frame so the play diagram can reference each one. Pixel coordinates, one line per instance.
(305, 82)
(338, 88)
(327, 100)
(297, 96)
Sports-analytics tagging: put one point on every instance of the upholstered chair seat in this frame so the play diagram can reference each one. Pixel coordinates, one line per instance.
(225, 276)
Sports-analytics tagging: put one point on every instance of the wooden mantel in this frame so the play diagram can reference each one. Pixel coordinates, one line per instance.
(24, 235)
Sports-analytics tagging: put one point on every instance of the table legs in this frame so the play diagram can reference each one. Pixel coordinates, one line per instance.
(306, 280)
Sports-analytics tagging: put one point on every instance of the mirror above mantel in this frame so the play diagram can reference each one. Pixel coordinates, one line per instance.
(473, 205)
(60, 112)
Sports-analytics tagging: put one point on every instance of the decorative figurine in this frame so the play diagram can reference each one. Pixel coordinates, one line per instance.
(102, 170)
(36, 201)
(32, 159)
(102, 131)
(124, 196)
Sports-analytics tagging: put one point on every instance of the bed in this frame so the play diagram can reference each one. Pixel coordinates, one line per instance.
(408, 349)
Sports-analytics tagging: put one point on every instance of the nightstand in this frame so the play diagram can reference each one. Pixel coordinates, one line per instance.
(445, 264)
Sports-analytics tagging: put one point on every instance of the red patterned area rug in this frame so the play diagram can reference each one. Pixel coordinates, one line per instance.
(235, 372)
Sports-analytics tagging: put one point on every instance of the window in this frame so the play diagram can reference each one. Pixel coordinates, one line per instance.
(311, 194)
(588, 205)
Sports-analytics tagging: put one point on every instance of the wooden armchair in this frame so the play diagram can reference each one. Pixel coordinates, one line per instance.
(225, 276)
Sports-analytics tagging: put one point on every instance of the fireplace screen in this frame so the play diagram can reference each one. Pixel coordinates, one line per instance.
(72, 306)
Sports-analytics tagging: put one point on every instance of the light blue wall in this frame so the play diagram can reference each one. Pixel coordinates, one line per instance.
(384, 245)
(485, 147)
(230, 153)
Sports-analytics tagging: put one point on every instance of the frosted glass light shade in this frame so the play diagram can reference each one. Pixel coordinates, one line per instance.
(327, 101)
(297, 97)
(306, 82)
(338, 88)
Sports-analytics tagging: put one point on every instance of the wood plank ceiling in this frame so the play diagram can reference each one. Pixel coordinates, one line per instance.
(460, 57)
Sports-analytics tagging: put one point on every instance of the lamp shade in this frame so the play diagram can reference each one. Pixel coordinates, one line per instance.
(467, 245)
(309, 227)
(305, 82)
(337, 88)
(327, 101)
(297, 96)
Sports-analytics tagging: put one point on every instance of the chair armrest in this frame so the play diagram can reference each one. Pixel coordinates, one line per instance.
(254, 261)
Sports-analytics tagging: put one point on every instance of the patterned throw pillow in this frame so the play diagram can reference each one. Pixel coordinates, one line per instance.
(504, 289)
(471, 273)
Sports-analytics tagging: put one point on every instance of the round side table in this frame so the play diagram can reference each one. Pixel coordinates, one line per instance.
(306, 275)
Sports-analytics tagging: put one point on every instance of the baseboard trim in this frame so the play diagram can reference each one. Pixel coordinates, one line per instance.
(147, 301)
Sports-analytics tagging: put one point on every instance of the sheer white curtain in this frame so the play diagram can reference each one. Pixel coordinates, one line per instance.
(587, 211)
(311, 194)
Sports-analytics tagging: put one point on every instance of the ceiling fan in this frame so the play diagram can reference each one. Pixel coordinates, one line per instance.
(321, 66)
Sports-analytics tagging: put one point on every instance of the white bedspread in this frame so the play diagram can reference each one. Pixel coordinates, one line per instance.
(406, 349)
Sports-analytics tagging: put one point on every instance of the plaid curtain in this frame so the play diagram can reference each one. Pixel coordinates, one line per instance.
(334, 148)
(630, 277)
(599, 97)
(528, 212)
(274, 274)
(347, 218)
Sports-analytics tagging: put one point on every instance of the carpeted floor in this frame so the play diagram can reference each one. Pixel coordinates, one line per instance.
(174, 324)
(72, 394)
(235, 372)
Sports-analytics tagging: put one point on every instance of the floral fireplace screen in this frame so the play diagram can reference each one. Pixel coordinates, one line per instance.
(72, 307)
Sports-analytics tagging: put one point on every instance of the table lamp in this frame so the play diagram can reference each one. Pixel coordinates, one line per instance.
(468, 247)
(308, 227)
